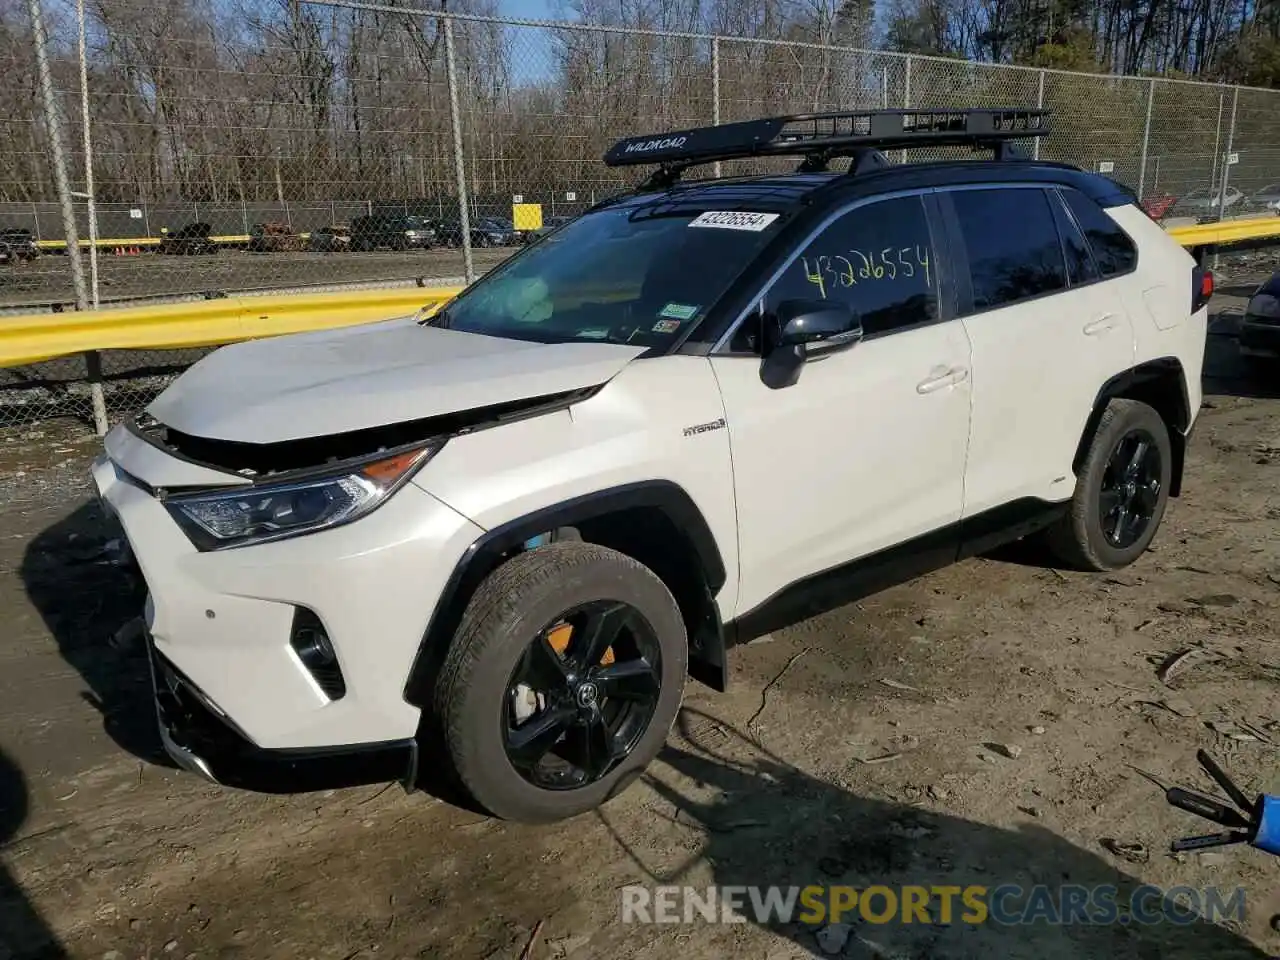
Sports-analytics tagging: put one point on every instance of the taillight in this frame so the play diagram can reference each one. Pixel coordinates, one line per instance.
(1201, 288)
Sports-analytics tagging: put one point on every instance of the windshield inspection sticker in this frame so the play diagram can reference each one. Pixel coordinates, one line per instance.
(666, 326)
(678, 311)
(734, 220)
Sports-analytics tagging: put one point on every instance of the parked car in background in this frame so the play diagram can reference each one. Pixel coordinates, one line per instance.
(549, 225)
(332, 239)
(273, 237)
(485, 232)
(17, 245)
(194, 239)
(1205, 202)
(1267, 199)
(1159, 205)
(394, 232)
(1260, 328)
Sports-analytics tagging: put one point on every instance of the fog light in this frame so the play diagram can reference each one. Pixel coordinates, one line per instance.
(311, 643)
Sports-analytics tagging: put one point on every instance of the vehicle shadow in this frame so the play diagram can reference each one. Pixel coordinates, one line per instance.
(23, 934)
(771, 824)
(87, 601)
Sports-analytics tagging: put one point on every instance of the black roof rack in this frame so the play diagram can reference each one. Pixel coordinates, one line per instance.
(820, 137)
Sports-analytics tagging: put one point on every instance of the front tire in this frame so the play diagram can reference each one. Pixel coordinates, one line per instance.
(562, 682)
(1121, 492)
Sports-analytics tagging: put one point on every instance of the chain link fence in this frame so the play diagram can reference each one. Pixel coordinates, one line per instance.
(286, 145)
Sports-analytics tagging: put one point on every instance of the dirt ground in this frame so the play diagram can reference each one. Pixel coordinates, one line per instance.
(107, 852)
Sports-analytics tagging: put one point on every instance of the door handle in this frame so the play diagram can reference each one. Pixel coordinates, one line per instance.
(1100, 326)
(944, 378)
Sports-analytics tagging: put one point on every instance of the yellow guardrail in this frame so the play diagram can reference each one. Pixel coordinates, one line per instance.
(109, 242)
(1226, 232)
(30, 339)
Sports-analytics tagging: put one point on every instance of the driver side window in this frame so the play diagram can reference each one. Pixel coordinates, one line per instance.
(877, 258)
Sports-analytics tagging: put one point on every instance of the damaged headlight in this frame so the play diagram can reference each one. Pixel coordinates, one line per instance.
(274, 511)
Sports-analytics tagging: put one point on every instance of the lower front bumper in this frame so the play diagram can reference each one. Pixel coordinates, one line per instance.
(199, 738)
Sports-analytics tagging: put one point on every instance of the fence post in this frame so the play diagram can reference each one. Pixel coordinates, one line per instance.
(93, 360)
(63, 184)
(90, 200)
(1217, 139)
(1146, 139)
(715, 89)
(1040, 105)
(1226, 167)
(906, 98)
(464, 214)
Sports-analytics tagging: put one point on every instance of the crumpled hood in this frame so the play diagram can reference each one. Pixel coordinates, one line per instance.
(352, 378)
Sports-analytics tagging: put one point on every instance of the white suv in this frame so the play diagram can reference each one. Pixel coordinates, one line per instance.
(501, 536)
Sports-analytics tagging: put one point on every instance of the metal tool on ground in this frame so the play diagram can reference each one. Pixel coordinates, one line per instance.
(1256, 822)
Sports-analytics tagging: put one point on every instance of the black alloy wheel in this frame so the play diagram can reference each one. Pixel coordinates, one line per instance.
(1130, 489)
(592, 680)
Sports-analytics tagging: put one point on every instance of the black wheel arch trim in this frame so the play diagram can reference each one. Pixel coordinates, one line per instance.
(1160, 369)
(487, 551)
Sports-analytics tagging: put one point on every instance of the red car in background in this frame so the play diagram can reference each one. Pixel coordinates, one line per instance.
(1157, 206)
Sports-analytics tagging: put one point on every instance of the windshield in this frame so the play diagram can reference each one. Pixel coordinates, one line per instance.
(624, 275)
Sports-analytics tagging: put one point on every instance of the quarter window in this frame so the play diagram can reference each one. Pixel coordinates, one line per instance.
(1012, 243)
(1080, 265)
(877, 258)
(1112, 248)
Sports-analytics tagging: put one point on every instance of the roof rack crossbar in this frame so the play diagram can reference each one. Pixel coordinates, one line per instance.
(819, 137)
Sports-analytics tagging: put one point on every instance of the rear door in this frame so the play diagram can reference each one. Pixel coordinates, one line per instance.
(1045, 334)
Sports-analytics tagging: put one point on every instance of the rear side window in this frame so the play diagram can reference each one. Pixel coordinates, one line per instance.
(1112, 249)
(1012, 243)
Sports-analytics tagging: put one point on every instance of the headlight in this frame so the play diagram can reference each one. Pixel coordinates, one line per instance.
(1264, 305)
(274, 511)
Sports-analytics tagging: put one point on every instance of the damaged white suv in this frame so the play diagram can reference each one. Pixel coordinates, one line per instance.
(510, 530)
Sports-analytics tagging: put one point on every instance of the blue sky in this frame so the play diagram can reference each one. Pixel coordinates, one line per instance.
(528, 9)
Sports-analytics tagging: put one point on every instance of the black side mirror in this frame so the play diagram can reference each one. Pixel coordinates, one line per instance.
(804, 330)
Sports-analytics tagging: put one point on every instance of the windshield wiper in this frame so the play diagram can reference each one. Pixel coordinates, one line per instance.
(438, 319)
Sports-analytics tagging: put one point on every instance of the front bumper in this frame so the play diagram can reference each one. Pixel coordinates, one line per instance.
(221, 622)
(199, 738)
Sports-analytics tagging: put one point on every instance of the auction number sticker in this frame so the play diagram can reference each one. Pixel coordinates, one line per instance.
(734, 220)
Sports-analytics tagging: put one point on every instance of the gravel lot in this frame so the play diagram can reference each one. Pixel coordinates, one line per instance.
(107, 852)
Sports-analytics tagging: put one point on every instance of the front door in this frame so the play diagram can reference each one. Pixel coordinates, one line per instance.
(867, 449)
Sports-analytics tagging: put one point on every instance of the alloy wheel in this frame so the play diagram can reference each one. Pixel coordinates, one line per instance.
(582, 695)
(1130, 489)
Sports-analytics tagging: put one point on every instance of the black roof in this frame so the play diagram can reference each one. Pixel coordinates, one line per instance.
(787, 192)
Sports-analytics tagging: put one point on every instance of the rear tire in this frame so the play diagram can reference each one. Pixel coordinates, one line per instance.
(505, 631)
(1121, 491)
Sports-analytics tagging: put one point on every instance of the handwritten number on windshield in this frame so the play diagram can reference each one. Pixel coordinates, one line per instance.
(829, 272)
